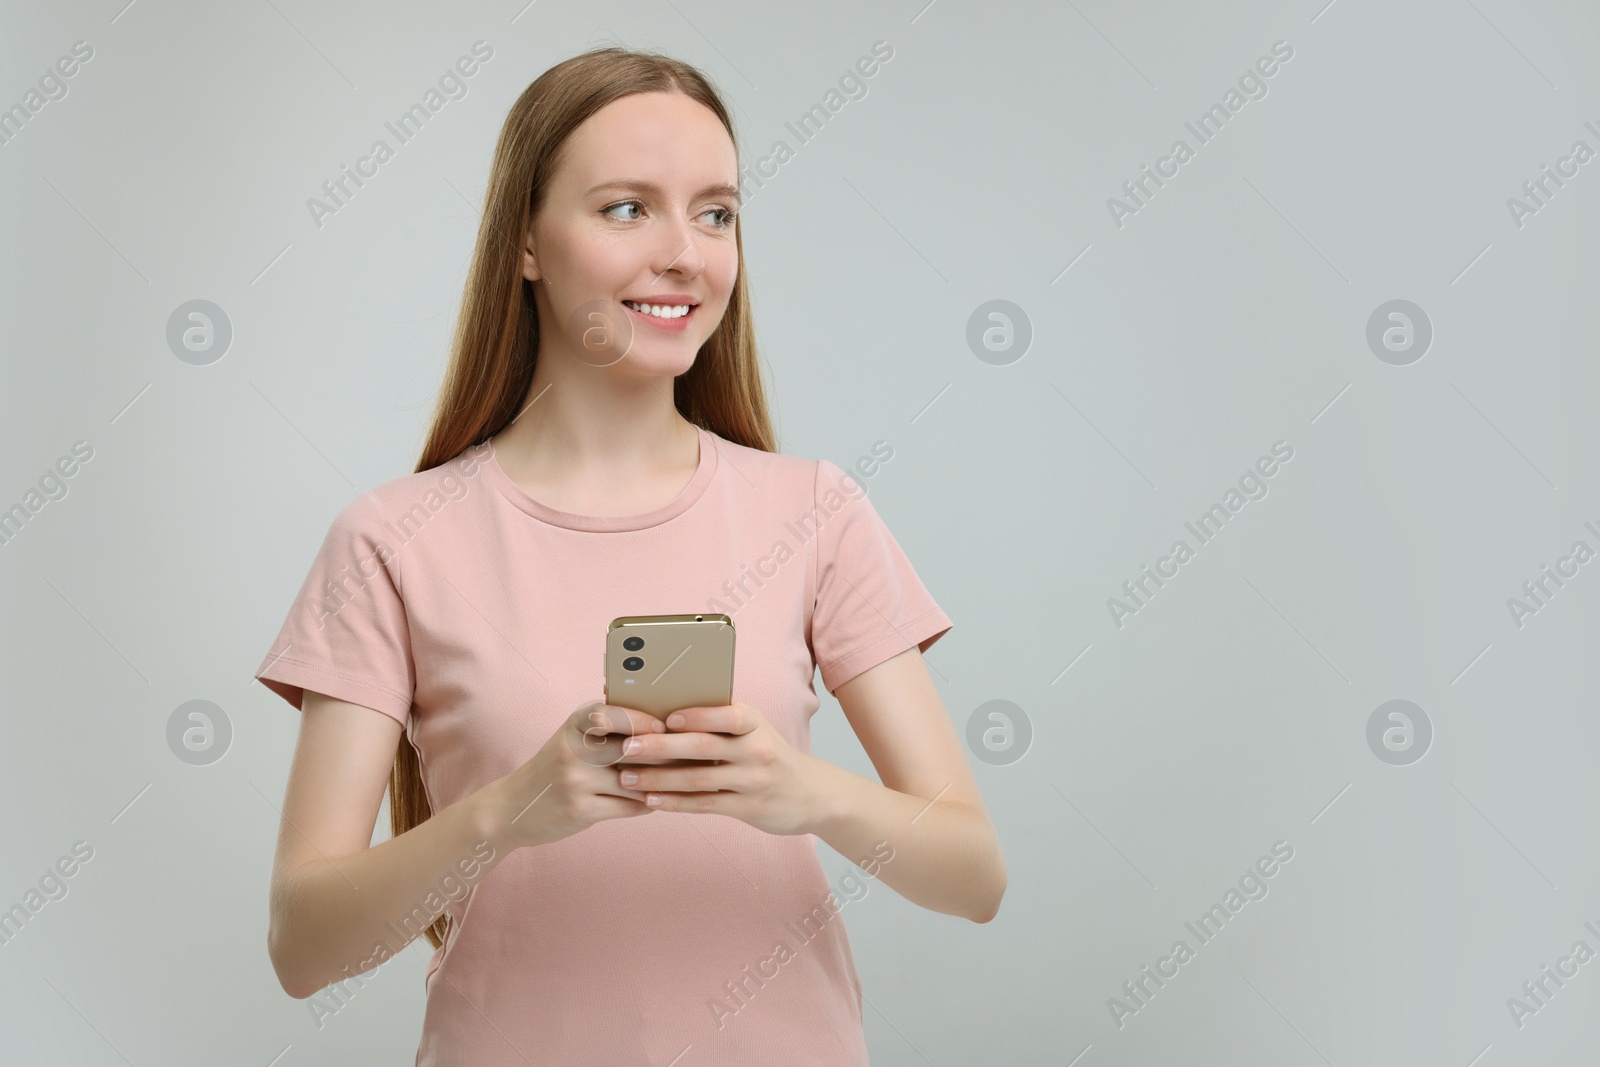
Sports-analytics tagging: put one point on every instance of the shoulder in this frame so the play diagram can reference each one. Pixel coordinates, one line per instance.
(393, 510)
(819, 482)
(776, 473)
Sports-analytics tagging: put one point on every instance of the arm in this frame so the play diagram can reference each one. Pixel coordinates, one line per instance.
(946, 854)
(335, 897)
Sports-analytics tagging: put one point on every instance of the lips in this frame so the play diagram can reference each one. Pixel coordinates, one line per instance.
(677, 325)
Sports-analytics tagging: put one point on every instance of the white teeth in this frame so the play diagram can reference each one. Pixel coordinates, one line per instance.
(660, 311)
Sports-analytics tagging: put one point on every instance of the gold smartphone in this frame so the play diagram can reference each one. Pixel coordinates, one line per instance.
(659, 664)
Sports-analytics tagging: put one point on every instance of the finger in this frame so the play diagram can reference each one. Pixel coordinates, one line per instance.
(688, 745)
(620, 808)
(660, 761)
(708, 778)
(597, 733)
(599, 719)
(730, 719)
(715, 803)
(609, 784)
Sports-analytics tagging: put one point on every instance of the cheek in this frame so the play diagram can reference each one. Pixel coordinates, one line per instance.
(585, 261)
(722, 268)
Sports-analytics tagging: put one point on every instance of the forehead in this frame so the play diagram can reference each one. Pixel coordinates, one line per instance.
(664, 138)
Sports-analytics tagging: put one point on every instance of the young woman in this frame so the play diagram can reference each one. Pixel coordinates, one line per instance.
(601, 448)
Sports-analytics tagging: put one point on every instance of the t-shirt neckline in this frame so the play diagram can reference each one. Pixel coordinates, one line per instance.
(692, 492)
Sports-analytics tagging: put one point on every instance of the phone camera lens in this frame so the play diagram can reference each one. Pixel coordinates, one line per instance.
(633, 663)
(633, 644)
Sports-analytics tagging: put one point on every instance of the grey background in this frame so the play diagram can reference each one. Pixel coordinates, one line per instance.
(1229, 313)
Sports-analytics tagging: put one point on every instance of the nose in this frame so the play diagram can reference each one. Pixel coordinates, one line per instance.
(676, 250)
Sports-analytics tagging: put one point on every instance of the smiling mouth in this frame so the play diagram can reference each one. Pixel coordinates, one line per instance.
(666, 312)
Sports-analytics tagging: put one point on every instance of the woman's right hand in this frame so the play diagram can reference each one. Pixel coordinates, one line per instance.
(572, 782)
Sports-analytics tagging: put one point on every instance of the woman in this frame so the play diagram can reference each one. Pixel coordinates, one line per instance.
(601, 448)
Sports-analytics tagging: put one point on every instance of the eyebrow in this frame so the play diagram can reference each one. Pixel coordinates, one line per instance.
(717, 189)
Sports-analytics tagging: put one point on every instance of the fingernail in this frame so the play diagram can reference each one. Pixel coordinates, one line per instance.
(654, 800)
(631, 746)
(630, 778)
(674, 721)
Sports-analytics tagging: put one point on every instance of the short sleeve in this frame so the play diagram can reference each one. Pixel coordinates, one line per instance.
(347, 634)
(870, 604)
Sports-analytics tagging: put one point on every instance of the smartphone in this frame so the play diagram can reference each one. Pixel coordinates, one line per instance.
(659, 664)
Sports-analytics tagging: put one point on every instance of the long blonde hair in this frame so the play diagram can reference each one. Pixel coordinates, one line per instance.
(496, 339)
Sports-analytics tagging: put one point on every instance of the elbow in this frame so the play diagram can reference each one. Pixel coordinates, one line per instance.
(996, 895)
(281, 950)
(993, 909)
(277, 953)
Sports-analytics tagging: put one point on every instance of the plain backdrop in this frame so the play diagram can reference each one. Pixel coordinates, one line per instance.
(1171, 345)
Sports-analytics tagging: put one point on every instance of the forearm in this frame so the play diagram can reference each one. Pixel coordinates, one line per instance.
(335, 918)
(946, 855)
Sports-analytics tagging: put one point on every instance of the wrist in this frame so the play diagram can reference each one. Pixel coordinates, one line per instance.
(832, 799)
(485, 812)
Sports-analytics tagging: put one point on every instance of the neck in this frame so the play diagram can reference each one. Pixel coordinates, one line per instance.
(578, 419)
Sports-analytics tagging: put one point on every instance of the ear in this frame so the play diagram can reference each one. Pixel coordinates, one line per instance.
(530, 261)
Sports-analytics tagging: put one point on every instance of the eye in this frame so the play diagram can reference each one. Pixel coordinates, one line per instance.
(724, 216)
(621, 203)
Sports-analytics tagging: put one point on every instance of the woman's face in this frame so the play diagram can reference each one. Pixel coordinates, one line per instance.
(639, 212)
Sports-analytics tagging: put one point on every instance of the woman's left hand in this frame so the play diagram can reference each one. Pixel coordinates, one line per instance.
(760, 779)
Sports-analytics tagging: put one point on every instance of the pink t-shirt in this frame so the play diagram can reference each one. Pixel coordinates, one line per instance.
(476, 616)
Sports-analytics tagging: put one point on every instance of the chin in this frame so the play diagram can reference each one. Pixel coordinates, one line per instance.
(662, 365)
